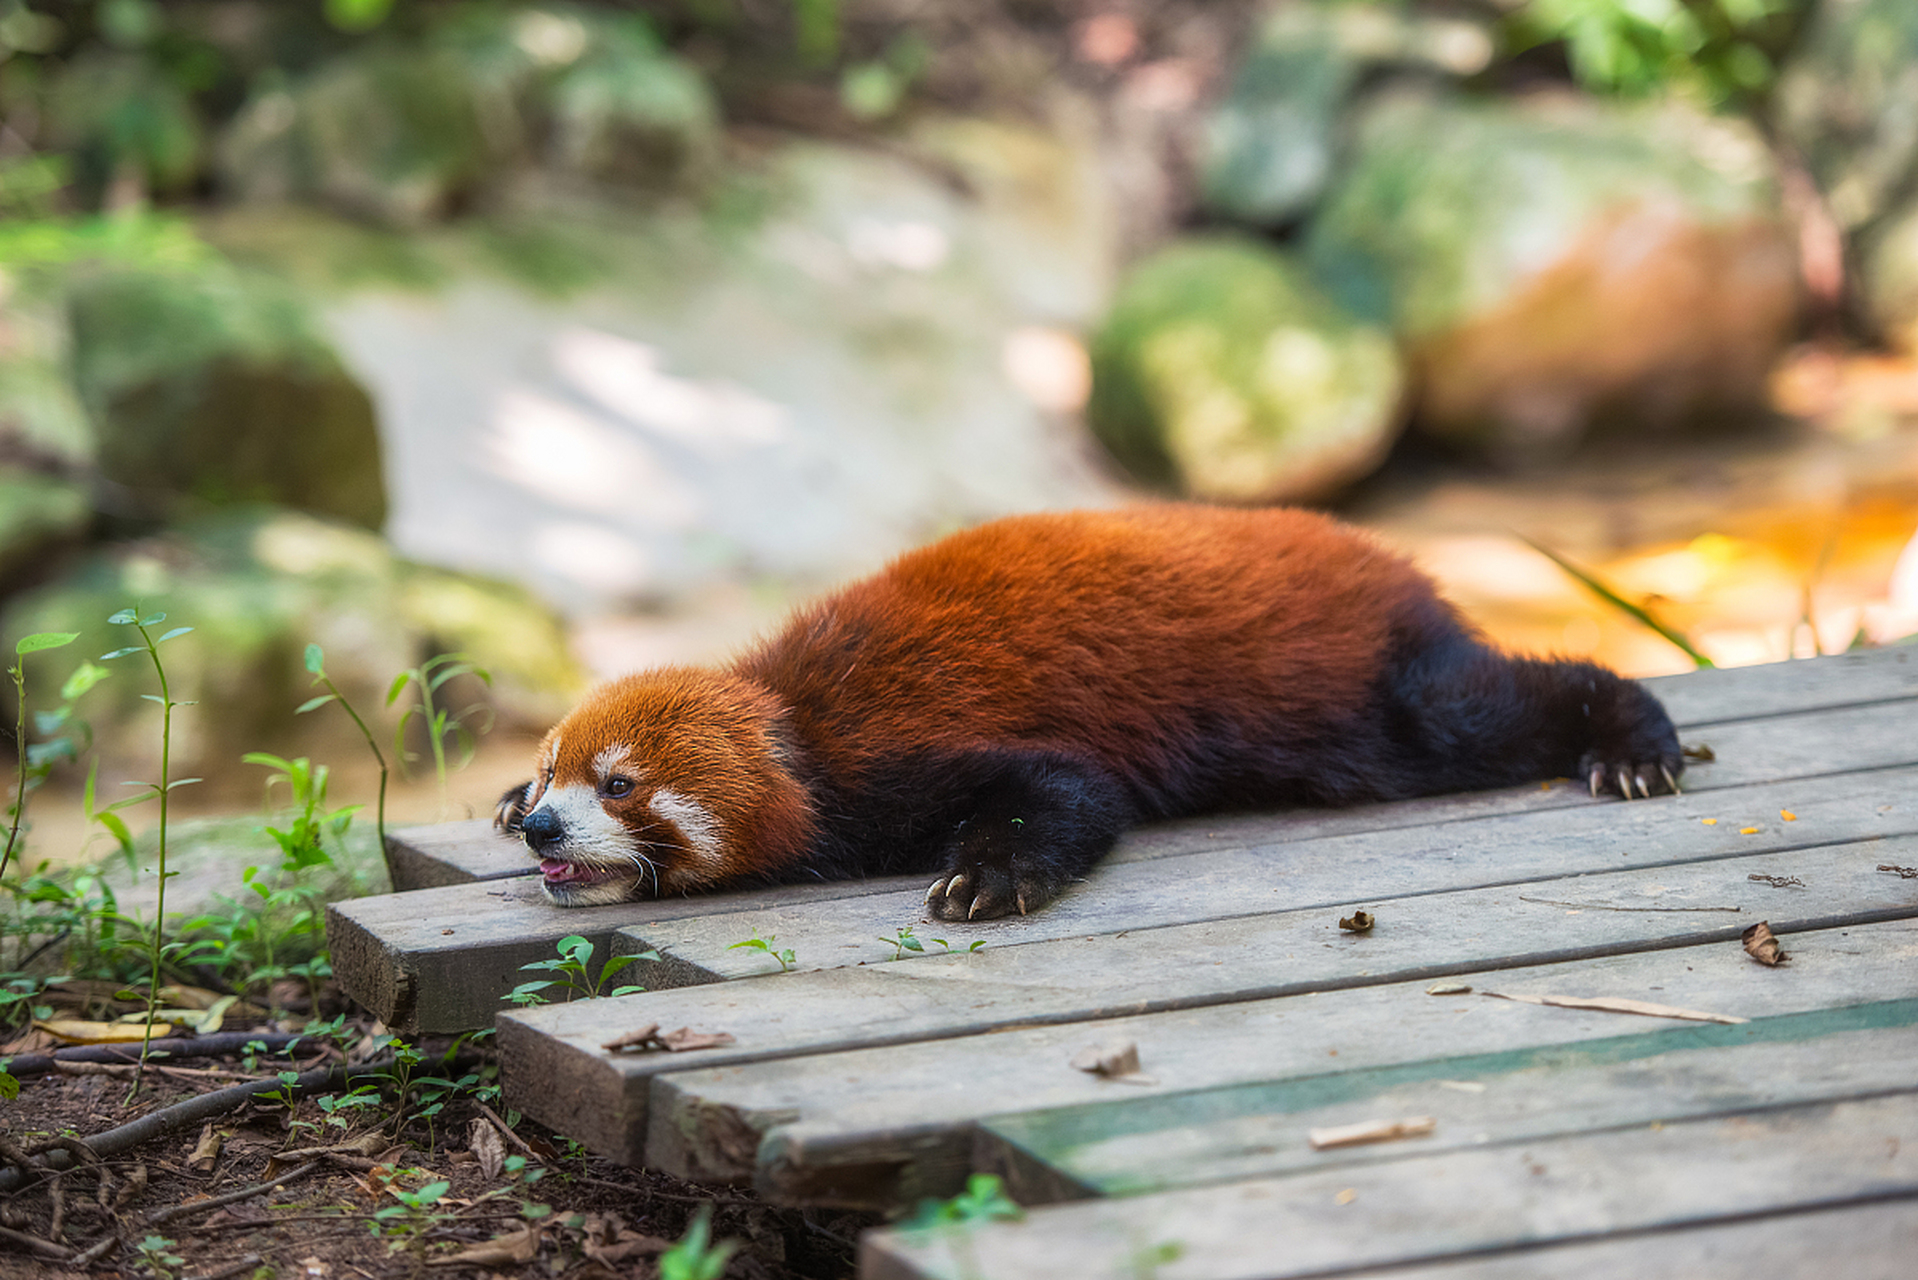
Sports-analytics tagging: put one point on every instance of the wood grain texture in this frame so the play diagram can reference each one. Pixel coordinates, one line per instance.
(1690, 1173)
(453, 853)
(1122, 1148)
(872, 1126)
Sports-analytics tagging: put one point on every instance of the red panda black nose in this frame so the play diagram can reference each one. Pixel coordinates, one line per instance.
(541, 827)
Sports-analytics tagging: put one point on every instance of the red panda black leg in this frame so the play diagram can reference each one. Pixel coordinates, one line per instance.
(1481, 718)
(1037, 824)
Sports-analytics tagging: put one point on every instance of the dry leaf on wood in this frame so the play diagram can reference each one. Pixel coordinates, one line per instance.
(1449, 989)
(206, 1151)
(1699, 751)
(484, 1140)
(1118, 1060)
(1903, 873)
(1357, 922)
(1352, 1135)
(1778, 882)
(508, 1250)
(1761, 946)
(684, 1040)
(1620, 1004)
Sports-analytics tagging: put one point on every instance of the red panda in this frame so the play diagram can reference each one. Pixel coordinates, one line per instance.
(998, 707)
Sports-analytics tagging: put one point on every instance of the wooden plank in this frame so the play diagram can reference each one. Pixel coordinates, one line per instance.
(1456, 1204)
(1699, 698)
(1203, 963)
(1091, 977)
(453, 853)
(1145, 1145)
(442, 960)
(397, 958)
(1220, 883)
(1870, 1241)
(876, 1126)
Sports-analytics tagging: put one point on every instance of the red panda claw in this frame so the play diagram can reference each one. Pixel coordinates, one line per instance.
(1598, 774)
(1022, 904)
(937, 891)
(976, 905)
(1624, 783)
(1670, 781)
(1643, 790)
(956, 887)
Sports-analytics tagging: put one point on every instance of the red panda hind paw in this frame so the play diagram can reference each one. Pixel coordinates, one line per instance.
(986, 894)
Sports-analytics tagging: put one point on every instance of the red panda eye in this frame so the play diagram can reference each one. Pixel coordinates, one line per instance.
(617, 787)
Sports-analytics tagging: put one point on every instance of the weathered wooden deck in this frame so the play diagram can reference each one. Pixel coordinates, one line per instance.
(1565, 1141)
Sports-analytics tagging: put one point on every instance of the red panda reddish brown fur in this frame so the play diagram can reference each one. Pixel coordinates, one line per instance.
(997, 707)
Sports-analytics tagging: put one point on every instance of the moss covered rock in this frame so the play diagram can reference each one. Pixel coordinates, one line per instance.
(257, 586)
(1553, 264)
(209, 384)
(1222, 371)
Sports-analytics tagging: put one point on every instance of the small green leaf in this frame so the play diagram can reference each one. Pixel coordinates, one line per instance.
(123, 617)
(154, 697)
(153, 620)
(315, 660)
(627, 991)
(173, 634)
(399, 683)
(84, 677)
(121, 653)
(183, 782)
(44, 640)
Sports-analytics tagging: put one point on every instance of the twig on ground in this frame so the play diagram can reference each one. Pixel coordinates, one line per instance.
(97, 1250)
(218, 1045)
(197, 1207)
(233, 1268)
(34, 1244)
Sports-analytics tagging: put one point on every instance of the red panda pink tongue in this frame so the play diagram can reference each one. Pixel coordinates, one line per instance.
(554, 869)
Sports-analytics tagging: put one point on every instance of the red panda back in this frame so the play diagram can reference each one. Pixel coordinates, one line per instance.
(1125, 636)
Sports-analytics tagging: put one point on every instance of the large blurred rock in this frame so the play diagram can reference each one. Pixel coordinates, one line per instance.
(1223, 371)
(1848, 103)
(1271, 144)
(257, 586)
(1888, 279)
(209, 383)
(1553, 265)
(46, 443)
(406, 135)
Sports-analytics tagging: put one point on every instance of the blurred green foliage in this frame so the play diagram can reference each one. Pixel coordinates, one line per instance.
(1722, 52)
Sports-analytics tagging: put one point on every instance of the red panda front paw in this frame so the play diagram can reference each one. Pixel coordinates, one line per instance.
(1631, 778)
(511, 808)
(984, 891)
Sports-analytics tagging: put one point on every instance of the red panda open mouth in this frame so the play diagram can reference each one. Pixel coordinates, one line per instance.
(554, 871)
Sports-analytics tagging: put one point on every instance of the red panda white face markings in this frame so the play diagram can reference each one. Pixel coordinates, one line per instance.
(697, 826)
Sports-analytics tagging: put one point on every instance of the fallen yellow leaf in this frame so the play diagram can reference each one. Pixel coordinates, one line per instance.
(76, 1031)
(1748, 831)
(1788, 815)
(1710, 822)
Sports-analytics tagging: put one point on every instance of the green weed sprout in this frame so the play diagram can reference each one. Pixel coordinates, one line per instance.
(983, 1200)
(765, 944)
(22, 647)
(161, 790)
(156, 1254)
(316, 663)
(903, 941)
(575, 954)
(1609, 594)
(428, 678)
(696, 1257)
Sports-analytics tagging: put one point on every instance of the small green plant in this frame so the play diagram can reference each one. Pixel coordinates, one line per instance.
(983, 1200)
(339, 1109)
(574, 974)
(161, 790)
(157, 1256)
(1716, 50)
(316, 663)
(904, 941)
(440, 724)
(696, 1257)
(405, 1225)
(765, 944)
(28, 763)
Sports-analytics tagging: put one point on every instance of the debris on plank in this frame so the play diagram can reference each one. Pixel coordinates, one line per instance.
(1778, 882)
(1449, 989)
(1358, 922)
(1700, 752)
(684, 1040)
(1761, 946)
(1620, 1004)
(1352, 1135)
(1116, 1060)
(1903, 873)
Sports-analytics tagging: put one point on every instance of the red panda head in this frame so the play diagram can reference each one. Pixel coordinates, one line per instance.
(662, 783)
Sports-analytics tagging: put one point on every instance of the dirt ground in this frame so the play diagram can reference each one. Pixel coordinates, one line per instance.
(580, 1217)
